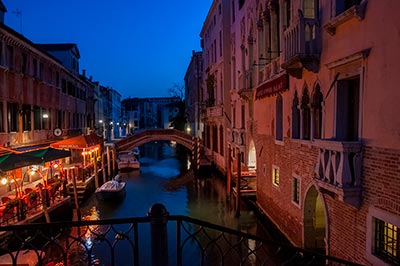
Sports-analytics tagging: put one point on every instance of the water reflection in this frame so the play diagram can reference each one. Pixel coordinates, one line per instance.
(163, 178)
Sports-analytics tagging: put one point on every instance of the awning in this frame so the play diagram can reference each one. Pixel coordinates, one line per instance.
(79, 142)
(13, 161)
(271, 87)
(49, 154)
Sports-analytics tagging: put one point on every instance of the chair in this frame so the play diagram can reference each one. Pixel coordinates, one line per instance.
(5, 199)
(8, 216)
(27, 190)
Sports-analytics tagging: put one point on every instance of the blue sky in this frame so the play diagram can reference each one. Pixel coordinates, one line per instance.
(139, 48)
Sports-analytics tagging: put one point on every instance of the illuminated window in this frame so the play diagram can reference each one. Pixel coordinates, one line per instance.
(386, 241)
(296, 190)
(275, 176)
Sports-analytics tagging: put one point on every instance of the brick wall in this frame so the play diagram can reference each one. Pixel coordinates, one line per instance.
(346, 226)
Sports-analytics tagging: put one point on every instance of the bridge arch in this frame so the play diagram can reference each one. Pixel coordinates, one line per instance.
(129, 142)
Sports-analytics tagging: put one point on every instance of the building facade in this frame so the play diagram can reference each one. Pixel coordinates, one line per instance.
(194, 95)
(40, 98)
(216, 113)
(312, 109)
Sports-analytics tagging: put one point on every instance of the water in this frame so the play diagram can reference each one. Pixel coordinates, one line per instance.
(204, 197)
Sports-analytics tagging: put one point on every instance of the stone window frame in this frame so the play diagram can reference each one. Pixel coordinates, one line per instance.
(275, 181)
(376, 213)
(296, 177)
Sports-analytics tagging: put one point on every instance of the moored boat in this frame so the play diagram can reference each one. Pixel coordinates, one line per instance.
(127, 161)
(112, 189)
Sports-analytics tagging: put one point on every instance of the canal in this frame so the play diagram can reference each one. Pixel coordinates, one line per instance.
(164, 178)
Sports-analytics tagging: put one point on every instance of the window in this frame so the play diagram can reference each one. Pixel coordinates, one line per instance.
(386, 241)
(287, 13)
(305, 115)
(233, 10)
(316, 106)
(279, 118)
(12, 116)
(24, 66)
(26, 117)
(221, 140)
(295, 117)
(296, 190)
(347, 109)
(310, 8)
(343, 5)
(215, 138)
(35, 68)
(1, 115)
(243, 116)
(1, 53)
(275, 175)
(36, 118)
(241, 3)
(10, 57)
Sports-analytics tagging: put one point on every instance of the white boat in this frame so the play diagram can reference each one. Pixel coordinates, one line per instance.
(112, 189)
(127, 161)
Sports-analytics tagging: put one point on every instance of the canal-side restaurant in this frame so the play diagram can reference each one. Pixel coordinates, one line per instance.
(37, 182)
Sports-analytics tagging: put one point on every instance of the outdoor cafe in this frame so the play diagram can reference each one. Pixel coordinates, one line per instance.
(35, 178)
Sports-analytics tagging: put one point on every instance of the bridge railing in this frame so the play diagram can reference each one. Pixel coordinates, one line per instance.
(145, 241)
(154, 134)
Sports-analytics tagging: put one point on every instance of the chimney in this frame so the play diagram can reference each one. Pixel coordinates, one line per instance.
(84, 73)
(3, 10)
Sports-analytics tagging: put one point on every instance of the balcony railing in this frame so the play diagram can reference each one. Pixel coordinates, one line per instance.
(338, 169)
(302, 45)
(144, 241)
(214, 111)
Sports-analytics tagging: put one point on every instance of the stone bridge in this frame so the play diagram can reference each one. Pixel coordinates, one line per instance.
(192, 143)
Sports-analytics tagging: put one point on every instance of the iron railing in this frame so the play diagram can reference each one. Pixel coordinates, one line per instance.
(145, 241)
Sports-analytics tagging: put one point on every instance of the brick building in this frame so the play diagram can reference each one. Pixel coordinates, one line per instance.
(313, 108)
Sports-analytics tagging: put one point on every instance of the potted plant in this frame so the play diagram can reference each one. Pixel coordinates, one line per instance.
(32, 196)
(12, 203)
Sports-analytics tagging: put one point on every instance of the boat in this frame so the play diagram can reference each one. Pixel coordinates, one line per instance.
(112, 189)
(127, 161)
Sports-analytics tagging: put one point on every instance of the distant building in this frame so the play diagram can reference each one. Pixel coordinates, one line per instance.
(154, 112)
(194, 95)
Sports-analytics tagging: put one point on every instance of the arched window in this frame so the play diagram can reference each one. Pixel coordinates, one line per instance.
(215, 138)
(221, 140)
(310, 8)
(279, 118)
(305, 115)
(316, 105)
(295, 117)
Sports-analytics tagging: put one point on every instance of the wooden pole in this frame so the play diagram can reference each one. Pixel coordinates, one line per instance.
(108, 161)
(238, 184)
(78, 212)
(113, 152)
(229, 173)
(103, 168)
(96, 174)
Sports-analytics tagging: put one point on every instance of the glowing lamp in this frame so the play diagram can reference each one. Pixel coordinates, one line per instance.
(4, 181)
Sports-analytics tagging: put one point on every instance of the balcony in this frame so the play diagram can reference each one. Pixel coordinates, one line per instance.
(357, 11)
(302, 46)
(338, 170)
(246, 84)
(214, 111)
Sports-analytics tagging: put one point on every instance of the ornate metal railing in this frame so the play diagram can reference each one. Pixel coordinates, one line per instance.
(144, 241)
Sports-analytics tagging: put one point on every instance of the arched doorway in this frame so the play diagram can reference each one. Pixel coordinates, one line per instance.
(252, 158)
(314, 221)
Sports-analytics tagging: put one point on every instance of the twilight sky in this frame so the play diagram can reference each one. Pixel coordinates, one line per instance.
(139, 48)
